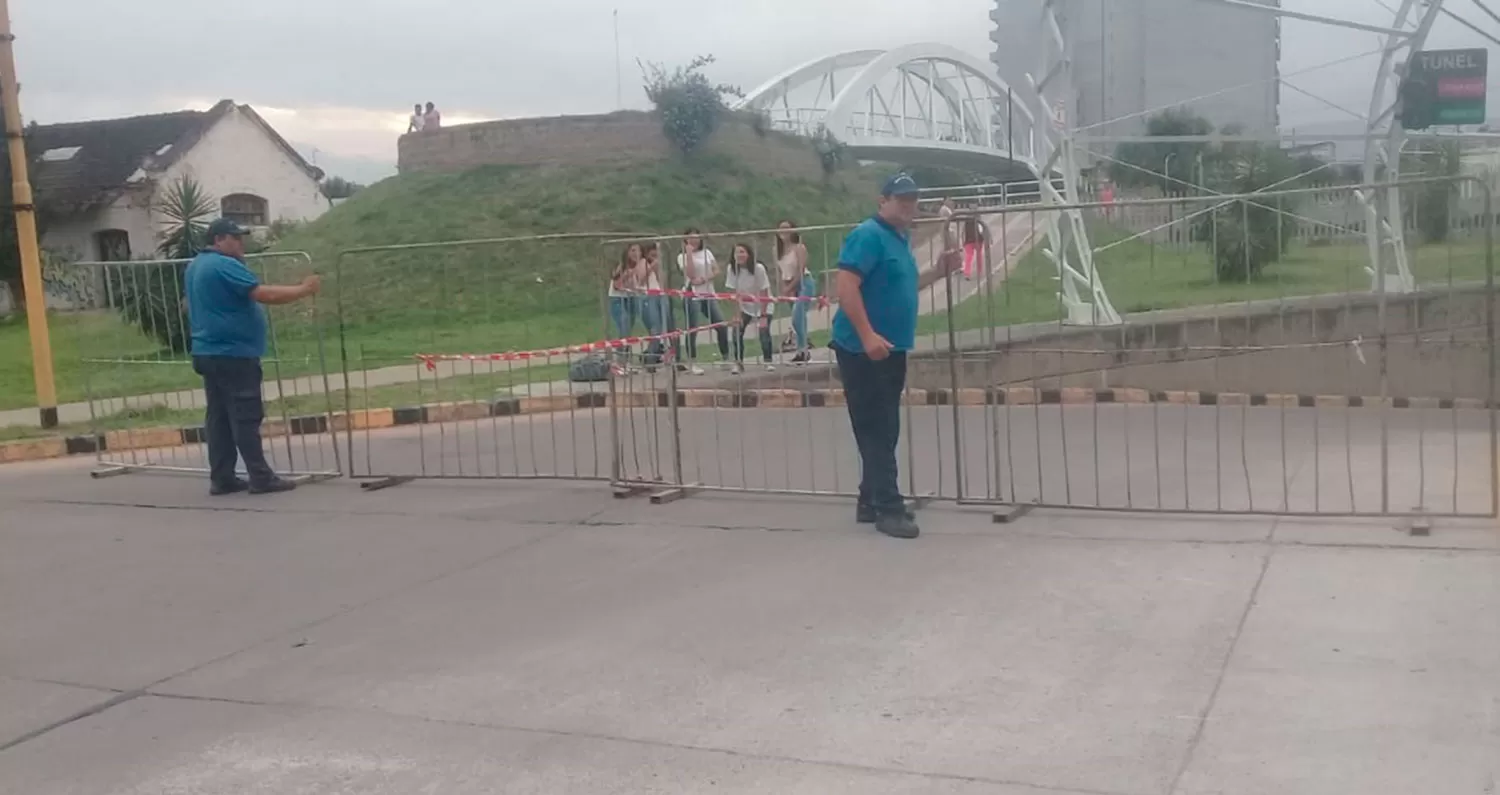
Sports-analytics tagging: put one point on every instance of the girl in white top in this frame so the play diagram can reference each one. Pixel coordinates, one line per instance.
(700, 271)
(655, 309)
(624, 304)
(749, 280)
(796, 282)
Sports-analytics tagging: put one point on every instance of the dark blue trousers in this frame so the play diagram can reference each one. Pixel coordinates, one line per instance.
(873, 391)
(232, 421)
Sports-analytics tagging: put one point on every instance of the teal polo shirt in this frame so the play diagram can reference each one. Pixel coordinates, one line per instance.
(225, 320)
(882, 257)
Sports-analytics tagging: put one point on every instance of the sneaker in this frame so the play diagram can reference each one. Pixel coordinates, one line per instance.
(865, 514)
(682, 368)
(897, 525)
(696, 370)
(802, 357)
(735, 369)
(233, 487)
(272, 486)
(770, 368)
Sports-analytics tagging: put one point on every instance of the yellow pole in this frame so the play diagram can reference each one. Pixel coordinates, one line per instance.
(31, 257)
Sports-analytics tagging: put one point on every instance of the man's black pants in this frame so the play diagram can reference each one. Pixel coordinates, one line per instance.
(873, 391)
(232, 423)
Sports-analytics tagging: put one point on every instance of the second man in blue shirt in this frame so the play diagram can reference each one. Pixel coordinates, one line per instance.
(875, 327)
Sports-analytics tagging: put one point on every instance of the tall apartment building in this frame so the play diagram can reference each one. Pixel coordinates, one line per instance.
(1135, 55)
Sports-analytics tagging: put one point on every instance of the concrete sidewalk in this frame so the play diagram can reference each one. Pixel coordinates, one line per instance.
(546, 638)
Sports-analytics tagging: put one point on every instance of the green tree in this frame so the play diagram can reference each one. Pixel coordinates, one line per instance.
(151, 296)
(1169, 165)
(1245, 235)
(1434, 200)
(340, 188)
(691, 107)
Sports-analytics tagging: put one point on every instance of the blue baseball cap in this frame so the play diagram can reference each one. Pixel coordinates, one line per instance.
(222, 227)
(900, 184)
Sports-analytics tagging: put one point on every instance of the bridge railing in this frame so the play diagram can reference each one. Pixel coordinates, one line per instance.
(991, 194)
(812, 121)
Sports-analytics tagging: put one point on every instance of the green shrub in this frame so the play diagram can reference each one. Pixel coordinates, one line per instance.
(690, 106)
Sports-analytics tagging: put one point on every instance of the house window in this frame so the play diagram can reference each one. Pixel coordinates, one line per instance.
(245, 209)
(113, 245)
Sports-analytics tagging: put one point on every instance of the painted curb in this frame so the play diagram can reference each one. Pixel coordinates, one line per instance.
(463, 411)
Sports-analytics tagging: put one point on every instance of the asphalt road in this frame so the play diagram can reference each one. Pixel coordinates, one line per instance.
(541, 637)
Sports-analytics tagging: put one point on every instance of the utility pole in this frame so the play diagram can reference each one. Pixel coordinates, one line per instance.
(31, 257)
(619, 81)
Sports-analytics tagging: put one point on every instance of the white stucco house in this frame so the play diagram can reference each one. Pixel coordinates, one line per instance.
(96, 182)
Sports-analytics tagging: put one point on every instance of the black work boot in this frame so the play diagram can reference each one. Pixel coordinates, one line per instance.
(232, 487)
(866, 514)
(273, 486)
(898, 525)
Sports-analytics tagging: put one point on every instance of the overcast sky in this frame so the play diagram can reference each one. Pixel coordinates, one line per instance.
(340, 75)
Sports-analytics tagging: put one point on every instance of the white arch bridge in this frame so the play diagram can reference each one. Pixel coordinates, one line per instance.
(935, 104)
(932, 103)
(928, 103)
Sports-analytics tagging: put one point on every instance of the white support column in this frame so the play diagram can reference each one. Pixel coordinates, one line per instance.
(932, 133)
(905, 84)
(1390, 264)
(1067, 235)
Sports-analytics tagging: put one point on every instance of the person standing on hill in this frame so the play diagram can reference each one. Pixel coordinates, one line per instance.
(875, 327)
(229, 339)
(432, 119)
(414, 124)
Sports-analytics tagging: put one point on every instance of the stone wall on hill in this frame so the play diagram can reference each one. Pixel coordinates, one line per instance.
(614, 139)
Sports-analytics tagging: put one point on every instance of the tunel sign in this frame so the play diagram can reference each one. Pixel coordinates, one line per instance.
(1445, 87)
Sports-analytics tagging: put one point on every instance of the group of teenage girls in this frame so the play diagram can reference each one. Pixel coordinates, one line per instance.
(745, 277)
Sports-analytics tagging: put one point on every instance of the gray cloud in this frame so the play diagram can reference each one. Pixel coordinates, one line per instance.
(345, 70)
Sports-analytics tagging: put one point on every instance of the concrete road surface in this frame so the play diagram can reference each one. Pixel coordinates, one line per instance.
(538, 637)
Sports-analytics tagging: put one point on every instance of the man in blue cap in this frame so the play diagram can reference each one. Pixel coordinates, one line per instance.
(229, 338)
(875, 327)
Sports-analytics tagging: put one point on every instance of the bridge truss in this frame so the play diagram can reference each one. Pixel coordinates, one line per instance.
(937, 104)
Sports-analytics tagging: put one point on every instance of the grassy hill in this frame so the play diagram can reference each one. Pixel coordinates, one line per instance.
(472, 299)
(500, 295)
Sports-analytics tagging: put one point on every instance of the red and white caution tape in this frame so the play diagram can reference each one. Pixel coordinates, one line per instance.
(431, 359)
(821, 300)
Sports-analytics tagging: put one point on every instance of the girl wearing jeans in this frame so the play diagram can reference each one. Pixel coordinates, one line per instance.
(624, 304)
(700, 270)
(796, 282)
(749, 280)
(656, 310)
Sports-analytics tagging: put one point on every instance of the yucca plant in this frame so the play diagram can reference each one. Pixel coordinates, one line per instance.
(151, 296)
(1246, 236)
(185, 210)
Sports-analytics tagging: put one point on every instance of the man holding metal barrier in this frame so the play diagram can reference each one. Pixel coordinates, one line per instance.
(229, 339)
(875, 327)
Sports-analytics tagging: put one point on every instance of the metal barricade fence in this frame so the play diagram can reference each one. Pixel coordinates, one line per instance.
(748, 411)
(144, 402)
(1256, 371)
(478, 356)
(1258, 368)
